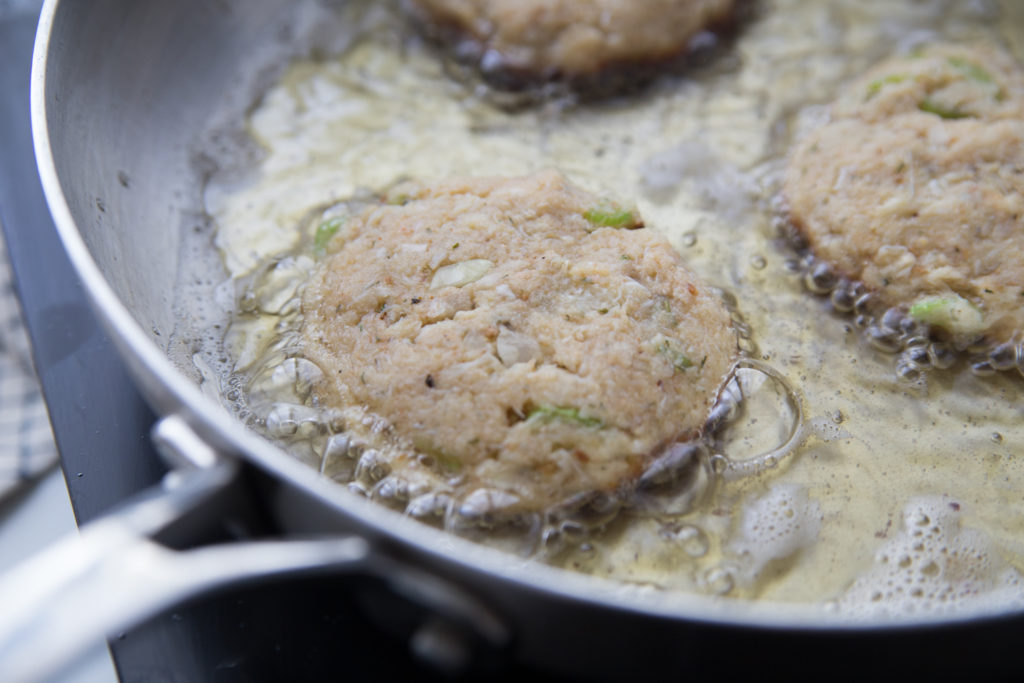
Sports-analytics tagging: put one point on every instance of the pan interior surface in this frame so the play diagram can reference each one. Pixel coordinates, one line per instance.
(701, 155)
(202, 134)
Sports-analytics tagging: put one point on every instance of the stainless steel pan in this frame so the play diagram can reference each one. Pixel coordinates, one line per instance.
(121, 91)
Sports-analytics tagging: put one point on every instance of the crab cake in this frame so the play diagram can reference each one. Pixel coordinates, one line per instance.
(571, 39)
(916, 189)
(520, 339)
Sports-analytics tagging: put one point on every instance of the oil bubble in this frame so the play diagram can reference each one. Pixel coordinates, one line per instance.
(821, 279)
(719, 580)
(941, 355)
(909, 372)
(691, 539)
(1004, 356)
(428, 506)
(982, 369)
(844, 296)
(883, 338)
(372, 467)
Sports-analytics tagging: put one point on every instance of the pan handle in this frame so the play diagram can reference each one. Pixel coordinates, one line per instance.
(124, 568)
(113, 575)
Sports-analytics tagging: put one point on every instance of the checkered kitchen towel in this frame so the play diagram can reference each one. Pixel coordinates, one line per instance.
(26, 441)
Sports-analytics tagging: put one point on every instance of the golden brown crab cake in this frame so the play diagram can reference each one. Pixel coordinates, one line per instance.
(918, 191)
(572, 39)
(516, 336)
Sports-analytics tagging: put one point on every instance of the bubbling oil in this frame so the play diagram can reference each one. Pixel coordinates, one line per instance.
(273, 388)
(701, 154)
(918, 348)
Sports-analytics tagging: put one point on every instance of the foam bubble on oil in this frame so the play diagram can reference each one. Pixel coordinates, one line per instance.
(933, 566)
(828, 428)
(774, 527)
(719, 184)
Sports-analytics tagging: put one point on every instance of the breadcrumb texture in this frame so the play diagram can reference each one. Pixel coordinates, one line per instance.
(916, 185)
(563, 367)
(573, 38)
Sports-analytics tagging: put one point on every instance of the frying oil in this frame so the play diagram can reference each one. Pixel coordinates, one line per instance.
(834, 523)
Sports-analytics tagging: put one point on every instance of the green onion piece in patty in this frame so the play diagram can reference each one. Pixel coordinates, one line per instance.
(546, 413)
(608, 215)
(449, 463)
(669, 348)
(876, 85)
(971, 70)
(951, 312)
(932, 107)
(324, 232)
